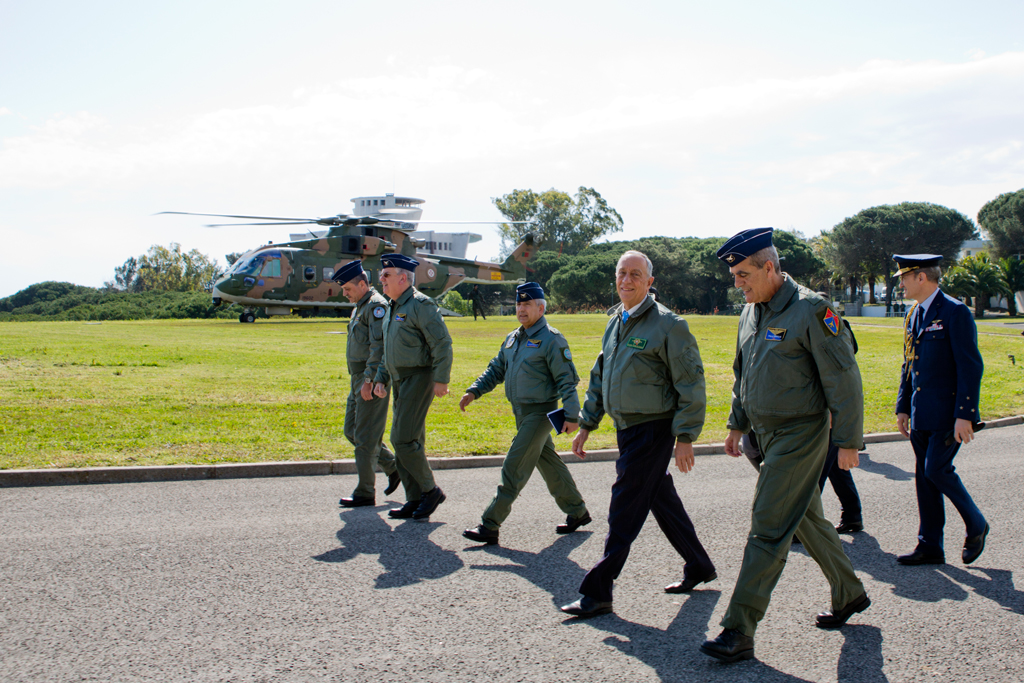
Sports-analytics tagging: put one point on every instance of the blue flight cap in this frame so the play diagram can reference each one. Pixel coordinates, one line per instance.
(399, 261)
(745, 243)
(348, 272)
(910, 262)
(529, 291)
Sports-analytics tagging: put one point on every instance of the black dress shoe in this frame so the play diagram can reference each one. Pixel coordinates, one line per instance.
(845, 527)
(838, 617)
(687, 585)
(573, 523)
(357, 502)
(393, 481)
(920, 556)
(404, 512)
(585, 607)
(431, 499)
(974, 545)
(482, 534)
(730, 646)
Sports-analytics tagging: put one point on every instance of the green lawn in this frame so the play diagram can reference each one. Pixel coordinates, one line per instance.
(157, 392)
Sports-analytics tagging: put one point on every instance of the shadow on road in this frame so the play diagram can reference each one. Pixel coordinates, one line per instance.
(924, 583)
(997, 587)
(407, 560)
(861, 660)
(674, 652)
(550, 570)
(885, 469)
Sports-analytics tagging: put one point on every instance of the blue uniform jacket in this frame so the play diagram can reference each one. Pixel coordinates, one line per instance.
(945, 378)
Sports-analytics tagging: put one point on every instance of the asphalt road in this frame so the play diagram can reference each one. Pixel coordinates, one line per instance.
(267, 580)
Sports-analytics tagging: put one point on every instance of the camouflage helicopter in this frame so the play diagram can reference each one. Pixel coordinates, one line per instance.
(296, 276)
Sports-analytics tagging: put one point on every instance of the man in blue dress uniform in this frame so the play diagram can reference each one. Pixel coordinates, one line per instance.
(937, 405)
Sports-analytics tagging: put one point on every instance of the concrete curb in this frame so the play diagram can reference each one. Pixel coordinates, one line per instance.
(307, 468)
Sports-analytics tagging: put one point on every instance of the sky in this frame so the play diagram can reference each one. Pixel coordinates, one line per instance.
(690, 118)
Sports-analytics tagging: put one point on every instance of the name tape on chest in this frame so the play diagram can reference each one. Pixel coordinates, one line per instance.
(399, 317)
(830, 321)
(533, 343)
(775, 334)
(378, 312)
(636, 343)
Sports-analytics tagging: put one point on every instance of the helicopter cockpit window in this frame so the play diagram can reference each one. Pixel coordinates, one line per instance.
(272, 268)
(251, 267)
(309, 274)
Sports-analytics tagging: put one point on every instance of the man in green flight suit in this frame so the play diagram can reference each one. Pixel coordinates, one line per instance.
(536, 366)
(365, 418)
(418, 364)
(794, 367)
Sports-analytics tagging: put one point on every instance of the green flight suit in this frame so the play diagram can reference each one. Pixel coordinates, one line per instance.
(794, 365)
(417, 353)
(536, 366)
(365, 420)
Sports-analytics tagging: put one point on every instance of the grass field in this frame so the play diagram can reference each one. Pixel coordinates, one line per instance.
(160, 392)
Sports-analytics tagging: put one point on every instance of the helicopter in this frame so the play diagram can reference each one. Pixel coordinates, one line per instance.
(297, 276)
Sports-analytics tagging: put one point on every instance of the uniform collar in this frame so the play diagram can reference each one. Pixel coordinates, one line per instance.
(404, 296)
(927, 303)
(536, 327)
(785, 293)
(365, 297)
(637, 310)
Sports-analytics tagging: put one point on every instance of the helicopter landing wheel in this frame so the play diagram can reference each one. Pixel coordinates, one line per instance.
(247, 317)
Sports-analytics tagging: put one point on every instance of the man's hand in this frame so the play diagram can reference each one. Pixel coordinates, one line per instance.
(903, 424)
(848, 457)
(570, 427)
(963, 431)
(466, 399)
(379, 390)
(440, 389)
(577, 443)
(366, 391)
(684, 456)
(732, 443)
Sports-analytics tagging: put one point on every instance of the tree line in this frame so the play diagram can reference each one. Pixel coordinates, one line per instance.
(578, 271)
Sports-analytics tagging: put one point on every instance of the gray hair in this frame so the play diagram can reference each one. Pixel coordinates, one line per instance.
(766, 255)
(933, 273)
(633, 252)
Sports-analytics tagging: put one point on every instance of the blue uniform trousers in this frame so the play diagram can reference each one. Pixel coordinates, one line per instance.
(842, 484)
(936, 477)
(642, 485)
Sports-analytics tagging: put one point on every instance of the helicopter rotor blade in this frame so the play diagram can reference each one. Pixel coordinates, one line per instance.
(258, 218)
(235, 225)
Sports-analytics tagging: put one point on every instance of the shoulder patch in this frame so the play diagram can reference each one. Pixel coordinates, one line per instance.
(378, 312)
(566, 354)
(510, 341)
(830, 321)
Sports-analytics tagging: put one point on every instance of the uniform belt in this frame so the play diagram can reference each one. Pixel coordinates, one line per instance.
(409, 372)
(531, 408)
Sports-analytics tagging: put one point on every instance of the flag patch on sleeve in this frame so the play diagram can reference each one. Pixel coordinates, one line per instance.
(831, 321)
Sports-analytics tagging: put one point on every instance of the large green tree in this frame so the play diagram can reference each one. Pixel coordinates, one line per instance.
(863, 245)
(569, 224)
(1003, 220)
(982, 279)
(166, 269)
(1011, 276)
